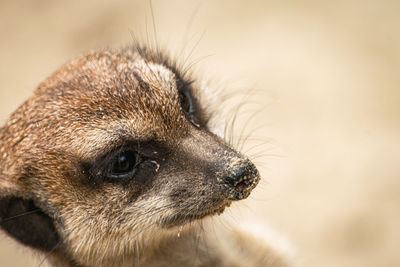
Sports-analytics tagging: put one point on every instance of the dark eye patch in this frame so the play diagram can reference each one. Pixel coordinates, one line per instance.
(188, 102)
(132, 162)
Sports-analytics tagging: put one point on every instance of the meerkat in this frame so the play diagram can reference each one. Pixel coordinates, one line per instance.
(111, 162)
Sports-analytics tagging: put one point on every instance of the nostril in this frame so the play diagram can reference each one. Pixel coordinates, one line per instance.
(241, 177)
(240, 186)
(235, 177)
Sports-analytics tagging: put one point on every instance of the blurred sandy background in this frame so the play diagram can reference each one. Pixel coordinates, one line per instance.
(326, 77)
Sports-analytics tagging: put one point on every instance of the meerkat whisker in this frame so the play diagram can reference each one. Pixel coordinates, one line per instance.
(49, 253)
(18, 216)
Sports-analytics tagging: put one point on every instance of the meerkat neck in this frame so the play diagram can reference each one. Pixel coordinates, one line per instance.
(215, 243)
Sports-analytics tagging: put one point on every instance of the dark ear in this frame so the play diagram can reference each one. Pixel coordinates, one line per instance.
(27, 223)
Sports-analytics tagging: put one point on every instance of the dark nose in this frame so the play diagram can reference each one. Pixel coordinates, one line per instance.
(241, 177)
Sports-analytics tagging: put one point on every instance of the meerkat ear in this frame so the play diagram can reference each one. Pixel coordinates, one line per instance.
(27, 223)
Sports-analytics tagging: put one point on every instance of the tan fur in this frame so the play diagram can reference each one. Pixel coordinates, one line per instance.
(85, 109)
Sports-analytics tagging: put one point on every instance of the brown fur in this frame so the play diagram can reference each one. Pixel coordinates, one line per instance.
(55, 147)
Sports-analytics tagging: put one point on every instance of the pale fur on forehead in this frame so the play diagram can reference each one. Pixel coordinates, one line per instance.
(122, 75)
(95, 136)
(103, 137)
(105, 62)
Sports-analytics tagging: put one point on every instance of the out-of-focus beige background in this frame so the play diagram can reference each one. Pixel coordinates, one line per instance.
(325, 77)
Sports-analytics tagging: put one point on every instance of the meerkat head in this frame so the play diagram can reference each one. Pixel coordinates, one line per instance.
(111, 151)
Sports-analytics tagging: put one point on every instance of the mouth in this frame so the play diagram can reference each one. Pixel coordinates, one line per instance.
(181, 219)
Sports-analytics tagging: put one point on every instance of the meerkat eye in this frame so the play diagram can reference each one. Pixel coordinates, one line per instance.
(188, 107)
(186, 102)
(124, 163)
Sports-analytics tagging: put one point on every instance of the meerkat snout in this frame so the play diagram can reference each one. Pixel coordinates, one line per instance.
(110, 156)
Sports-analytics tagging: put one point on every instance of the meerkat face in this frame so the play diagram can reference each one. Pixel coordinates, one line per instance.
(111, 150)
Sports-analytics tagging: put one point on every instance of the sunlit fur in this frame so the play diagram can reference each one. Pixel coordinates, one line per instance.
(107, 98)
